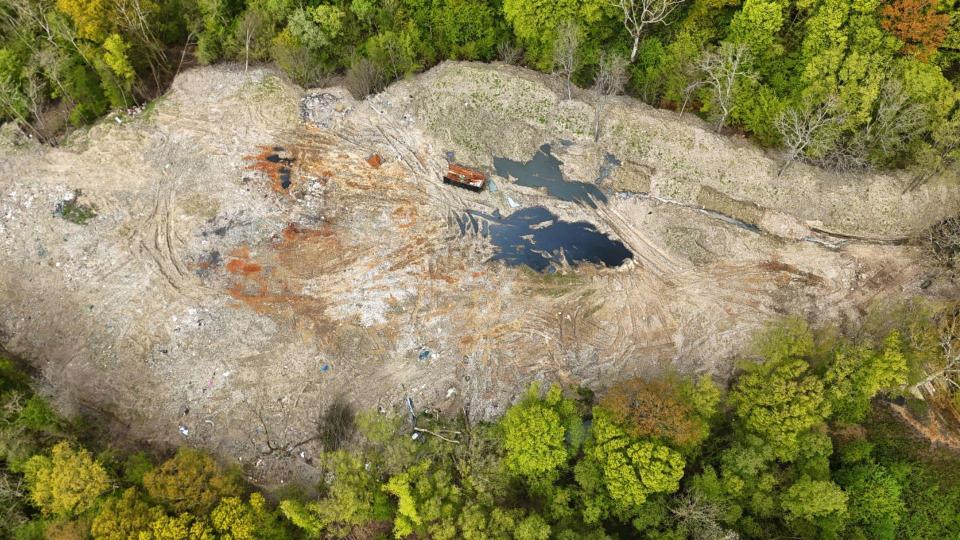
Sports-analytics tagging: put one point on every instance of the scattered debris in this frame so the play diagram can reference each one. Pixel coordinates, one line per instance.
(437, 435)
(413, 413)
(276, 167)
(375, 161)
(321, 108)
(207, 262)
(184, 431)
(465, 177)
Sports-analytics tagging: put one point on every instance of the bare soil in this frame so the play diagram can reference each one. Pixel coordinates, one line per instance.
(208, 303)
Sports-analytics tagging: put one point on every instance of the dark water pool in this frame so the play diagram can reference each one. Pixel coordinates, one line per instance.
(537, 238)
(543, 171)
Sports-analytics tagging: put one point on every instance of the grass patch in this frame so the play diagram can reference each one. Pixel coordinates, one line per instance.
(553, 285)
(74, 211)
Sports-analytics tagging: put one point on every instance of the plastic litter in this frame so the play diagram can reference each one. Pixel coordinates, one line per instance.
(325, 368)
(184, 431)
(424, 354)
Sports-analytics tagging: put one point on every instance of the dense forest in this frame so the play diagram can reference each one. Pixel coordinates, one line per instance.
(807, 442)
(844, 84)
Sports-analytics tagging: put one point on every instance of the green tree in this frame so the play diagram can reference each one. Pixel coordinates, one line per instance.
(536, 432)
(815, 505)
(532, 527)
(467, 29)
(234, 519)
(116, 57)
(777, 401)
(191, 481)
(396, 52)
(66, 482)
(875, 499)
(628, 470)
(316, 27)
(354, 499)
(535, 22)
(124, 517)
(855, 377)
(757, 25)
(182, 527)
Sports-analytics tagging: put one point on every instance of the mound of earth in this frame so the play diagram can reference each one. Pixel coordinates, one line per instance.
(220, 267)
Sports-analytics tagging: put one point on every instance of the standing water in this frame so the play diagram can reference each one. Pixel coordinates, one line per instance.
(543, 171)
(537, 238)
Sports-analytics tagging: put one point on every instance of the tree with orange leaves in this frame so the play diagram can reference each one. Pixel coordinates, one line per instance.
(669, 410)
(917, 24)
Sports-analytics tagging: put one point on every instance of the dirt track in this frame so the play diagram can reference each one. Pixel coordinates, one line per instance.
(207, 302)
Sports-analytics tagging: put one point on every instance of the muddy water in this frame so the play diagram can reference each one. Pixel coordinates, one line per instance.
(536, 238)
(543, 171)
(610, 162)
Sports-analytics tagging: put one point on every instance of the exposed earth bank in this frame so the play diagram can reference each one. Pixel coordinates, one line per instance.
(246, 265)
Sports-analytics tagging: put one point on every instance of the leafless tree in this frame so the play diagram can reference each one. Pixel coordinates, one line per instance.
(364, 78)
(251, 25)
(610, 79)
(719, 71)
(566, 57)
(896, 123)
(508, 53)
(807, 127)
(35, 91)
(945, 373)
(639, 14)
(21, 103)
(702, 518)
(136, 17)
(942, 241)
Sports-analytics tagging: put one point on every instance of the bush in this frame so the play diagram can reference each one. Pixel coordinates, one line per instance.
(364, 78)
(337, 424)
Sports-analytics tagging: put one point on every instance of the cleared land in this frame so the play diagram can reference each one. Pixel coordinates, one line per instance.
(247, 265)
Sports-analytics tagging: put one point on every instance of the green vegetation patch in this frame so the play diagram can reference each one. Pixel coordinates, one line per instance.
(715, 200)
(74, 211)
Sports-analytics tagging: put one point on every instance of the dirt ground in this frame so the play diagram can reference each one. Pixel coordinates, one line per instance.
(247, 265)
